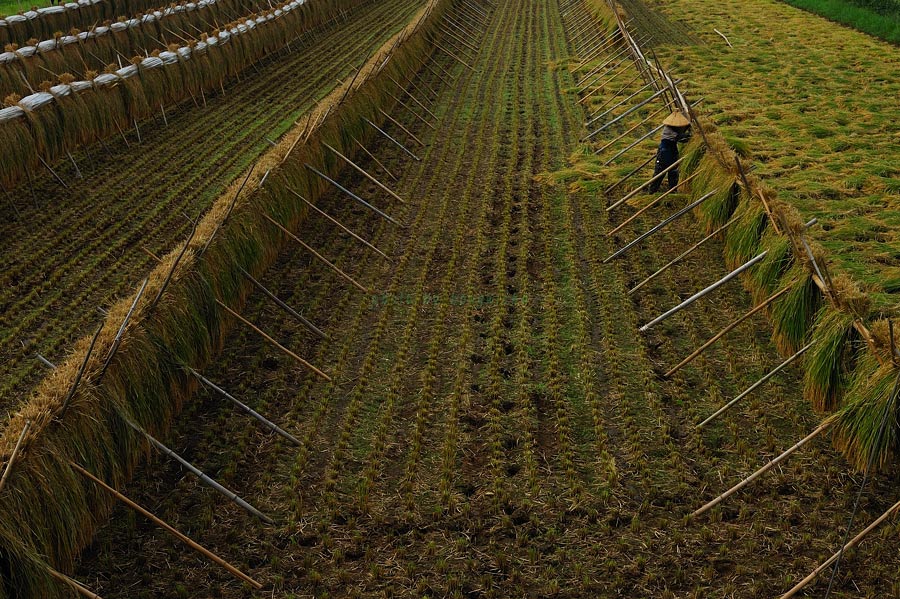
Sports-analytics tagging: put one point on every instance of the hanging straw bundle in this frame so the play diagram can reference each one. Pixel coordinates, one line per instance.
(830, 359)
(794, 312)
(866, 428)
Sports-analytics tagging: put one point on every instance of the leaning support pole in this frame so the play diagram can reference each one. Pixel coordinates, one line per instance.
(397, 143)
(754, 386)
(159, 522)
(353, 195)
(366, 175)
(118, 339)
(404, 129)
(283, 305)
(619, 137)
(725, 331)
(247, 409)
(206, 480)
(645, 184)
(650, 205)
(634, 144)
(658, 227)
(72, 583)
(15, 452)
(319, 256)
(260, 332)
(822, 427)
(80, 374)
(850, 545)
(375, 159)
(338, 224)
(634, 108)
(749, 264)
(633, 172)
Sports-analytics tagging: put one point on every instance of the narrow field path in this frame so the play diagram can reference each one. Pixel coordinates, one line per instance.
(496, 426)
(72, 252)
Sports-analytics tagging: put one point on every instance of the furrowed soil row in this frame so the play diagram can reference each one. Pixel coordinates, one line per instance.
(500, 448)
(108, 258)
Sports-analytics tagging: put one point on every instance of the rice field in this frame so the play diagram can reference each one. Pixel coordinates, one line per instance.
(402, 244)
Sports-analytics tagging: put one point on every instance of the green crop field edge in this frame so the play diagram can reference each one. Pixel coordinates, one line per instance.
(883, 26)
(849, 372)
(48, 513)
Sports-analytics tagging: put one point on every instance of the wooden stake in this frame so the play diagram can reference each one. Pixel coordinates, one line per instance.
(352, 195)
(397, 143)
(341, 226)
(159, 522)
(752, 387)
(81, 369)
(253, 413)
(681, 256)
(703, 292)
(850, 545)
(15, 452)
(365, 174)
(822, 427)
(650, 205)
(283, 305)
(340, 272)
(52, 172)
(275, 343)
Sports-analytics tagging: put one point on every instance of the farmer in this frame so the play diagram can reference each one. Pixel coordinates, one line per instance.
(676, 128)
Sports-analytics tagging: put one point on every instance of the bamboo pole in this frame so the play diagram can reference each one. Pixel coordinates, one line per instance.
(283, 305)
(206, 480)
(118, 339)
(341, 226)
(455, 36)
(633, 95)
(704, 292)
(405, 130)
(623, 115)
(353, 195)
(597, 70)
(74, 387)
(850, 545)
(785, 455)
(15, 452)
(171, 272)
(397, 143)
(250, 411)
(755, 385)
(453, 56)
(681, 256)
(413, 112)
(620, 67)
(159, 522)
(222, 222)
(319, 256)
(300, 360)
(414, 99)
(613, 96)
(643, 185)
(653, 203)
(71, 582)
(634, 144)
(365, 174)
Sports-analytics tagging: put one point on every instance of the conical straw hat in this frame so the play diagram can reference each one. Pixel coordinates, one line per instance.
(676, 119)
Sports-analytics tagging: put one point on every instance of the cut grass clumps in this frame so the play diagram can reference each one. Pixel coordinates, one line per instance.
(794, 313)
(830, 359)
(742, 238)
(865, 429)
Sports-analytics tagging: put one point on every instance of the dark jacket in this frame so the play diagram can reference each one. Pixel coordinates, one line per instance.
(676, 134)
